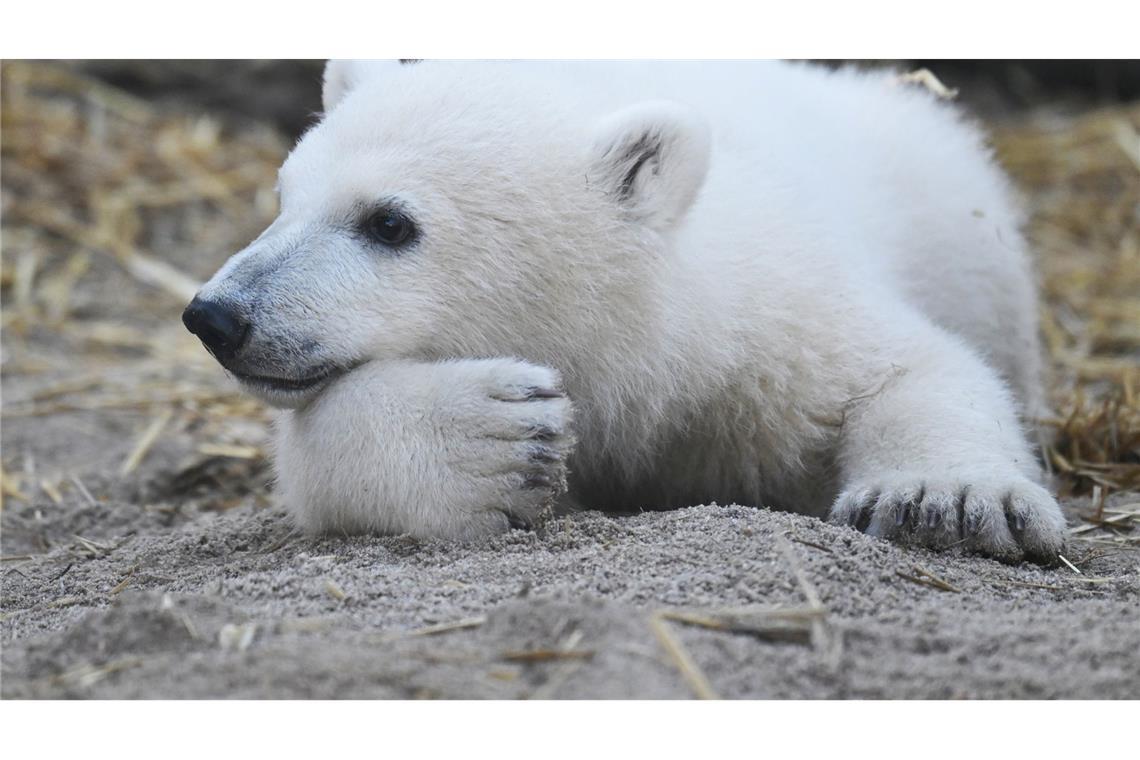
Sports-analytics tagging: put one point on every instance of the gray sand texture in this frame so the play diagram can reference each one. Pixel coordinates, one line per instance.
(710, 601)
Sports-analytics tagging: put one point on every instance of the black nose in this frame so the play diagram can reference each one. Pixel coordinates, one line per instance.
(221, 329)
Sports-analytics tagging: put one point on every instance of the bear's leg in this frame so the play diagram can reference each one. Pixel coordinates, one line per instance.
(452, 449)
(934, 454)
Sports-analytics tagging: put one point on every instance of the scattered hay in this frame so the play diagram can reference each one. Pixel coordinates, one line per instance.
(679, 655)
(532, 656)
(808, 624)
(1081, 176)
(145, 442)
(433, 630)
(925, 78)
(927, 578)
(1070, 565)
(235, 637)
(113, 213)
(334, 590)
(9, 487)
(790, 625)
(86, 676)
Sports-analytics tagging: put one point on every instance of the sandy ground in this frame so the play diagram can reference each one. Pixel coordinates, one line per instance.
(214, 605)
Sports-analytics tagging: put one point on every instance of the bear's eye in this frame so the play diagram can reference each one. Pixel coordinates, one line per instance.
(390, 227)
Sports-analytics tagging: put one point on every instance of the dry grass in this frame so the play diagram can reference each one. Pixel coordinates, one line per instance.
(114, 211)
(1081, 177)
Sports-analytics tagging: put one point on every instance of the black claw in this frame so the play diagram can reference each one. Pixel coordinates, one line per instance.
(933, 518)
(537, 481)
(1013, 519)
(863, 519)
(960, 512)
(902, 515)
(518, 523)
(972, 524)
(529, 393)
(543, 433)
(1015, 522)
(544, 455)
(534, 392)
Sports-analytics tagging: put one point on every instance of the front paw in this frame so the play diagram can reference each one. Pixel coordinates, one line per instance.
(511, 437)
(454, 450)
(1006, 518)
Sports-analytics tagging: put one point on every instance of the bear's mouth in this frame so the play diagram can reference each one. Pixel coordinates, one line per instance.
(270, 385)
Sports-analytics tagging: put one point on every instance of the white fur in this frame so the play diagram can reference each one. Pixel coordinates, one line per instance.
(459, 442)
(807, 290)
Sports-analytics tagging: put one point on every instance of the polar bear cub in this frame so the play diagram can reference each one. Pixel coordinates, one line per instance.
(498, 288)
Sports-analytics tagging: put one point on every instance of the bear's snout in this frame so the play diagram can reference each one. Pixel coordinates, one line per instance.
(219, 326)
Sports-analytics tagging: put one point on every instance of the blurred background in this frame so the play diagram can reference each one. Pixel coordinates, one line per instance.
(288, 93)
(127, 183)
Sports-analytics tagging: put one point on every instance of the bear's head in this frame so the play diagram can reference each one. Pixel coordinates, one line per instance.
(454, 210)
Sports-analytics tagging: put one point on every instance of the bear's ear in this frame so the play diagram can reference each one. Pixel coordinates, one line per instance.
(342, 75)
(651, 158)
